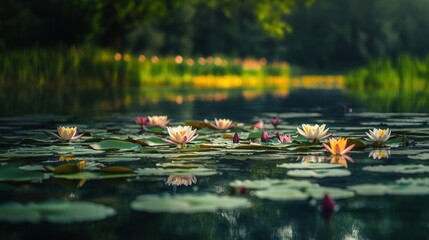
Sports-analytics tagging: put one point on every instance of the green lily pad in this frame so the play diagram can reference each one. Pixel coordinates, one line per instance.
(308, 165)
(177, 171)
(287, 192)
(116, 145)
(93, 175)
(319, 173)
(398, 188)
(11, 173)
(421, 156)
(188, 203)
(54, 212)
(266, 183)
(400, 168)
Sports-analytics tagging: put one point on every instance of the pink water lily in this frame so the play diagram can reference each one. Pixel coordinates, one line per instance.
(258, 125)
(181, 135)
(67, 133)
(160, 121)
(284, 138)
(141, 121)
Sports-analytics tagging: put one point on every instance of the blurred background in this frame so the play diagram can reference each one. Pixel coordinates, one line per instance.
(359, 46)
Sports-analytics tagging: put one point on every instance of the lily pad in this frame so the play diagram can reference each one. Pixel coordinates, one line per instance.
(188, 203)
(266, 183)
(400, 168)
(319, 173)
(177, 171)
(54, 212)
(116, 145)
(398, 188)
(308, 165)
(11, 173)
(93, 175)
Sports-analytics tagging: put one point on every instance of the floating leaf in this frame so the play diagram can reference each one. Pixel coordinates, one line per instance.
(398, 188)
(116, 169)
(187, 203)
(308, 165)
(116, 145)
(93, 175)
(266, 183)
(54, 212)
(358, 143)
(400, 168)
(11, 173)
(182, 171)
(322, 173)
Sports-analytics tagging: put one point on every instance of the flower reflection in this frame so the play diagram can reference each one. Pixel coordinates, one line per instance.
(312, 159)
(67, 158)
(181, 180)
(379, 153)
(340, 159)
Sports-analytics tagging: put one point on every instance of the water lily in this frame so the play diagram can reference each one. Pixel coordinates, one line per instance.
(181, 135)
(265, 137)
(67, 133)
(378, 136)
(160, 121)
(141, 121)
(258, 125)
(284, 138)
(379, 153)
(275, 121)
(236, 139)
(181, 180)
(223, 123)
(338, 146)
(313, 132)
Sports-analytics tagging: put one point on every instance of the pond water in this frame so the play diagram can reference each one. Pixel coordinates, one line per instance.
(135, 186)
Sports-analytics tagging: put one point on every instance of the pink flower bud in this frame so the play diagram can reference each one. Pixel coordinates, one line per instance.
(264, 136)
(275, 121)
(235, 139)
(141, 120)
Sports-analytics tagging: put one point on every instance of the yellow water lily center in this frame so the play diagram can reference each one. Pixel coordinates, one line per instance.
(181, 135)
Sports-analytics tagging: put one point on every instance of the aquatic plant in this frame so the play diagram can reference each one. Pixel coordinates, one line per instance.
(313, 132)
(66, 133)
(284, 138)
(378, 136)
(275, 122)
(181, 135)
(160, 121)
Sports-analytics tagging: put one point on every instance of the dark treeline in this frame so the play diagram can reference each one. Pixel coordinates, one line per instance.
(325, 33)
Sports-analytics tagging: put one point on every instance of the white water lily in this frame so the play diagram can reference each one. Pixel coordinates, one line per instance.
(313, 132)
(181, 135)
(67, 133)
(378, 136)
(160, 121)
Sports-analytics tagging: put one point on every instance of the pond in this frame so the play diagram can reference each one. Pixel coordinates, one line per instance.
(121, 182)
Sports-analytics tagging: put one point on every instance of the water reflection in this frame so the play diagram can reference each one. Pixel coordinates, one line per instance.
(176, 180)
(341, 160)
(380, 153)
(311, 159)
